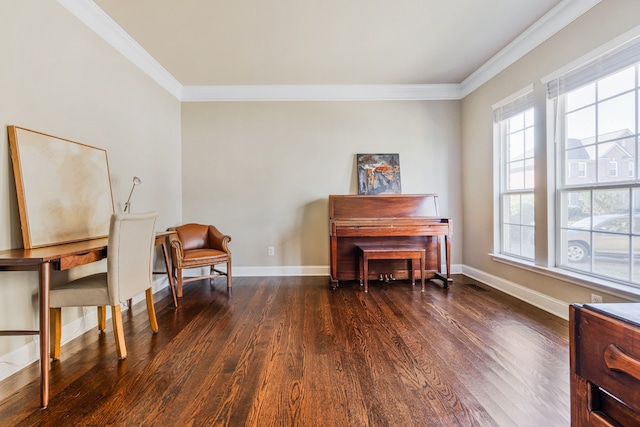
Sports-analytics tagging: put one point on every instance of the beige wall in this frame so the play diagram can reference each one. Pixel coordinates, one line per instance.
(262, 171)
(604, 22)
(58, 77)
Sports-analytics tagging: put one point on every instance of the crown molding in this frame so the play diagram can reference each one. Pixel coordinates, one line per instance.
(320, 93)
(555, 20)
(97, 20)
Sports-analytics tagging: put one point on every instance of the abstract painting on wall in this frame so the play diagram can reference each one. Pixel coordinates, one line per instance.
(378, 174)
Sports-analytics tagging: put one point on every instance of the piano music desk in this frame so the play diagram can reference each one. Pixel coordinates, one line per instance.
(368, 252)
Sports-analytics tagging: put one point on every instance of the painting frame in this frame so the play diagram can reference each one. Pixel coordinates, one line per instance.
(378, 174)
(63, 188)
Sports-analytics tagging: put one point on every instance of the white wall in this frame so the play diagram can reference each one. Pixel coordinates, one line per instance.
(58, 77)
(263, 171)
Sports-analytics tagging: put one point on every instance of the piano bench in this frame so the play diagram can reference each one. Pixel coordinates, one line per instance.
(369, 252)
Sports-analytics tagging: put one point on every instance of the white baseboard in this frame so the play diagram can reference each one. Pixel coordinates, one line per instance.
(300, 270)
(537, 299)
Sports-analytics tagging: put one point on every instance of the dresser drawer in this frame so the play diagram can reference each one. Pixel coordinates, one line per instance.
(610, 356)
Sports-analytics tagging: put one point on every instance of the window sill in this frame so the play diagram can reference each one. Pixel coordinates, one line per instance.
(609, 286)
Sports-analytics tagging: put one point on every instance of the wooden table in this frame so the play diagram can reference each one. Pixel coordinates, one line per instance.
(61, 257)
(369, 252)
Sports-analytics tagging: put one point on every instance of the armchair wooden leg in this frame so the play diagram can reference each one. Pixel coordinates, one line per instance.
(102, 318)
(118, 331)
(55, 328)
(179, 282)
(229, 275)
(153, 322)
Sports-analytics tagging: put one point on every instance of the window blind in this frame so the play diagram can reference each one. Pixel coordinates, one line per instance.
(615, 60)
(514, 107)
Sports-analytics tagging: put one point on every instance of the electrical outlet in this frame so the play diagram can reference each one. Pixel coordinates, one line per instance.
(271, 251)
(596, 298)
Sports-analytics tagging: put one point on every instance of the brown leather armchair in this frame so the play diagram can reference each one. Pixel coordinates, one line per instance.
(198, 245)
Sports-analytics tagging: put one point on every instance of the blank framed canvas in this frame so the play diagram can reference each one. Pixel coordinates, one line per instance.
(63, 188)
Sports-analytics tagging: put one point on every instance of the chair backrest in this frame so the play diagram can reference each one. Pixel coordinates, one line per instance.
(193, 236)
(130, 254)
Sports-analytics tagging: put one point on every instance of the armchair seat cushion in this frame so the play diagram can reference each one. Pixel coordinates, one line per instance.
(200, 257)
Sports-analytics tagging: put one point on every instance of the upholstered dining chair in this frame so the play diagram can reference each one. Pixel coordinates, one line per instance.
(197, 246)
(129, 267)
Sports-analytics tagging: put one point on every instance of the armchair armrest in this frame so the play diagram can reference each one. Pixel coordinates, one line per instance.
(217, 240)
(176, 249)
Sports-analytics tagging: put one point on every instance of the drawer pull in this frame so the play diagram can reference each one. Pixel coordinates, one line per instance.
(618, 360)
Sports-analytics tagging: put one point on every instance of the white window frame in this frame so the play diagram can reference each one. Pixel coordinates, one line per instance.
(609, 59)
(519, 103)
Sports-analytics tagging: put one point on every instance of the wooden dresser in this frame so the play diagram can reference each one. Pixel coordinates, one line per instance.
(605, 364)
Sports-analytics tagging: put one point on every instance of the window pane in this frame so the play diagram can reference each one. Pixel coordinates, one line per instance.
(582, 124)
(619, 82)
(515, 179)
(516, 146)
(635, 275)
(516, 123)
(576, 249)
(611, 255)
(527, 213)
(581, 97)
(581, 160)
(617, 117)
(576, 206)
(511, 242)
(528, 241)
(511, 208)
(528, 118)
(611, 202)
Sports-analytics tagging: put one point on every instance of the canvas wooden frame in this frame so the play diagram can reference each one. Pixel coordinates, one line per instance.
(63, 188)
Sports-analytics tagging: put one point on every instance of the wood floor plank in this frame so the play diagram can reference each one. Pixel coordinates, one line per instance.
(289, 351)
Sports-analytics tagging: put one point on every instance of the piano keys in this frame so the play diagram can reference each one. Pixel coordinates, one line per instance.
(388, 219)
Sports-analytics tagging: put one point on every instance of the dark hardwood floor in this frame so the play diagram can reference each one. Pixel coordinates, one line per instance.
(289, 351)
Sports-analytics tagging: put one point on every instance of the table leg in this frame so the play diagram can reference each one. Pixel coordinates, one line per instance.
(447, 243)
(169, 274)
(423, 260)
(45, 282)
(413, 271)
(365, 271)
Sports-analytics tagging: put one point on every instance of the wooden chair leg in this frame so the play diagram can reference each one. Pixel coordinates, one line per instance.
(153, 322)
(229, 275)
(55, 328)
(102, 318)
(118, 331)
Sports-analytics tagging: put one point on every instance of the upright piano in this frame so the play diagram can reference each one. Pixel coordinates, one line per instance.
(387, 219)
